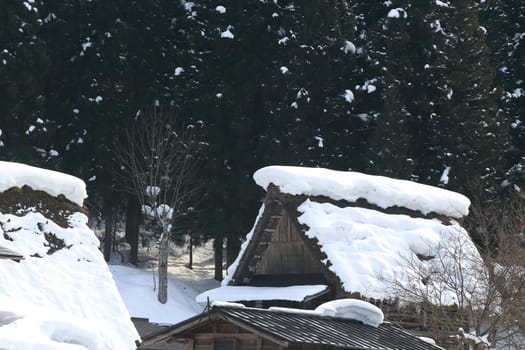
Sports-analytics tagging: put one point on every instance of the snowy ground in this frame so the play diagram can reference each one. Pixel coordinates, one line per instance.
(137, 285)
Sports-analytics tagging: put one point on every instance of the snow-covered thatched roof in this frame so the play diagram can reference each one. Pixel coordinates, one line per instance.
(52, 182)
(61, 295)
(382, 191)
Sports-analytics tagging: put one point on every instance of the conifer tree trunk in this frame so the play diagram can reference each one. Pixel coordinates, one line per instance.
(217, 247)
(107, 213)
(233, 246)
(132, 227)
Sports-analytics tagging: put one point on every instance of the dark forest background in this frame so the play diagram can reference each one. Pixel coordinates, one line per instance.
(402, 88)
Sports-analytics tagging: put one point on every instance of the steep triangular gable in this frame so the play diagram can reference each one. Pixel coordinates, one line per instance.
(279, 253)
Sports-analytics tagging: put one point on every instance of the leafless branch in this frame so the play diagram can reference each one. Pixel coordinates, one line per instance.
(494, 311)
(156, 161)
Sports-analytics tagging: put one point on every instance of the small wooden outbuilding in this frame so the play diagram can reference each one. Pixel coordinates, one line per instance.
(241, 328)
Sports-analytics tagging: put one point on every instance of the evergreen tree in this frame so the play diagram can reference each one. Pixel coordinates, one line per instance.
(279, 79)
(504, 22)
(395, 36)
(437, 103)
(24, 64)
(317, 78)
(469, 133)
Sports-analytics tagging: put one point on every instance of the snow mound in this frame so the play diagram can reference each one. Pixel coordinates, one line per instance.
(378, 190)
(228, 304)
(353, 309)
(52, 182)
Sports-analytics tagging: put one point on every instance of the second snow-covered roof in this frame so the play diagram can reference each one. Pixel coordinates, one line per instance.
(378, 190)
(56, 291)
(51, 182)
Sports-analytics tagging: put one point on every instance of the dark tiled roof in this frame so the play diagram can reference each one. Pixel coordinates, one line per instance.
(286, 328)
(325, 330)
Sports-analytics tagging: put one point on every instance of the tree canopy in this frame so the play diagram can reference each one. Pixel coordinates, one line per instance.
(430, 91)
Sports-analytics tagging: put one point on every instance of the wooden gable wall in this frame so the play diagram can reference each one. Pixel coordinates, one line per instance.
(279, 254)
(286, 252)
(222, 335)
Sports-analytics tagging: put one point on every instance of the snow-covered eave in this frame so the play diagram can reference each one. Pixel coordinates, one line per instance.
(52, 182)
(249, 293)
(381, 191)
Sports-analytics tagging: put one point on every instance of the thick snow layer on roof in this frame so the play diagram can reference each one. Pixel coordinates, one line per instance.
(370, 250)
(51, 182)
(381, 191)
(228, 304)
(239, 293)
(354, 309)
(66, 300)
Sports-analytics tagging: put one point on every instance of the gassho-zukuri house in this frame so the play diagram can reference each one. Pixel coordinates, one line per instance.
(56, 291)
(322, 235)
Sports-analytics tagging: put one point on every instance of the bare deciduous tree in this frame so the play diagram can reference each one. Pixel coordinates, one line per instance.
(488, 289)
(157, 162)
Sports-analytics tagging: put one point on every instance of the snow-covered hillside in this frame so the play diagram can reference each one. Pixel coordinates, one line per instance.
(61, 294)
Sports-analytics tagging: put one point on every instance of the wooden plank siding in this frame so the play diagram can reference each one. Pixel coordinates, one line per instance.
(286, 253)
